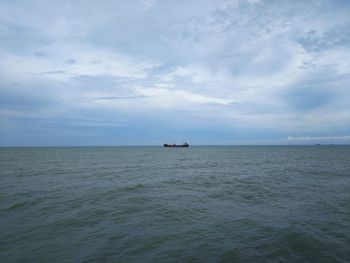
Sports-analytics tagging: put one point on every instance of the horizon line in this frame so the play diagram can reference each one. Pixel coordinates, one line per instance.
(158, 145)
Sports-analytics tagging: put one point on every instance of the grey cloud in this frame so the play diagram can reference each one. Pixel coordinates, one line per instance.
(40, 54)
(53, 72)
(120, 98)
(19, 38)
(336, 37)
(346, 137)
(20, 101)
(71, 61)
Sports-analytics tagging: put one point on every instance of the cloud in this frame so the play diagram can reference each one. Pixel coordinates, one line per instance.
(120, 98)
(71, 61)
(54, 72)
(318, 138)
(174, 98)
(265, 68)
(109, 63)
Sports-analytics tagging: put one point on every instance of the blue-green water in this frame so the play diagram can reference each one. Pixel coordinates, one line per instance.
(153, 204)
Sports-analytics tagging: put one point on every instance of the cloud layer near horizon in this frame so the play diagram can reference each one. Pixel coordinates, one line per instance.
(141, 72)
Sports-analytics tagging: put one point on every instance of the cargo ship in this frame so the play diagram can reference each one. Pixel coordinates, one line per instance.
(185, 144)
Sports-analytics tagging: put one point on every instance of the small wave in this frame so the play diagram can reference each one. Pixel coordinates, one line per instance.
(134, 187)
(14, 206)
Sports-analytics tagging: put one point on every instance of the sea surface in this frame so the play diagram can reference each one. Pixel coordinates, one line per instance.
(155, 204)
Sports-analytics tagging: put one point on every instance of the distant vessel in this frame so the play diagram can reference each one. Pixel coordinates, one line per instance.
(185, 144)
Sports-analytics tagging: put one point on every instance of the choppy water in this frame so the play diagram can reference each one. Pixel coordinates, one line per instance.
(151, 204)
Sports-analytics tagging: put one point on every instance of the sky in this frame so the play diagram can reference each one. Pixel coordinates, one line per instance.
(146, 72)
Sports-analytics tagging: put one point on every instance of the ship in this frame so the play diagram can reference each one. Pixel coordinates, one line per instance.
(185, 144)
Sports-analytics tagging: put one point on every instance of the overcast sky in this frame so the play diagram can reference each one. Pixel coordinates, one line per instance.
(155, 71)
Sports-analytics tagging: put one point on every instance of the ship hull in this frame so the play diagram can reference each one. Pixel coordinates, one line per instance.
(175, 145)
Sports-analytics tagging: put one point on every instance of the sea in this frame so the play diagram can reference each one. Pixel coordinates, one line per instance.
(155, 204)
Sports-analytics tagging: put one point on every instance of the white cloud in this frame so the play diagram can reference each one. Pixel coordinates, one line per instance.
(89, 61)
(173, 98)
(148, 4)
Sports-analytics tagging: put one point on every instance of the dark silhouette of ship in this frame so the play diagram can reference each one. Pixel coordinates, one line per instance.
(185, 144)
